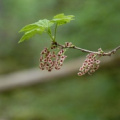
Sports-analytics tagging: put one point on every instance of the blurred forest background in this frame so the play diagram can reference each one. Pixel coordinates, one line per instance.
(96, 97)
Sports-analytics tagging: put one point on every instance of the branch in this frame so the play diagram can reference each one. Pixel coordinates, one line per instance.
(111, 52)
(89, 51)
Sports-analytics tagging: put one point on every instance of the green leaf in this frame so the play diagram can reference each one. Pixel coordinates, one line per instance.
(61, 19)
(29, 27)
(44, 26)
(30, 34)
(35, 28)
(44, 23)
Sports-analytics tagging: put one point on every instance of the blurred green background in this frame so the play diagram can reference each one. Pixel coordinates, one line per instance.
(96, 97)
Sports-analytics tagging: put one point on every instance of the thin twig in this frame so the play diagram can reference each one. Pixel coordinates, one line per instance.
(111, 52)
(89, 51)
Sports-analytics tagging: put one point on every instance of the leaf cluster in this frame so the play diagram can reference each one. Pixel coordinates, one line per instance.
(44, 26)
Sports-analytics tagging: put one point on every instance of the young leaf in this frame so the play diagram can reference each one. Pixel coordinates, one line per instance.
(44, 23)
(29, 27)
(30, 34)
(61, 19)
(35, 28)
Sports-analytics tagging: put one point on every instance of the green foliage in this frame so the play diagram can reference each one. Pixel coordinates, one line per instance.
(35, 28)
(61, 19)
(44, 26)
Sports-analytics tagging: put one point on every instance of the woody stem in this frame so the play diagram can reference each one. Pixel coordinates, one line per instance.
(89, 51)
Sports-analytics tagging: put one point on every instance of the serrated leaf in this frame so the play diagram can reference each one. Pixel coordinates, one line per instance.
(30, 34)
(40, 24)
(44, 23)
(35, 28)
(61, 19)
(29, 27)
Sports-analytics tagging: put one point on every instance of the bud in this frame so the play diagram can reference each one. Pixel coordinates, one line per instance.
(68, 44)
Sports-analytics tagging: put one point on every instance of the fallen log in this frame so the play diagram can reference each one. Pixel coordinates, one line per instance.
(36, 76)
